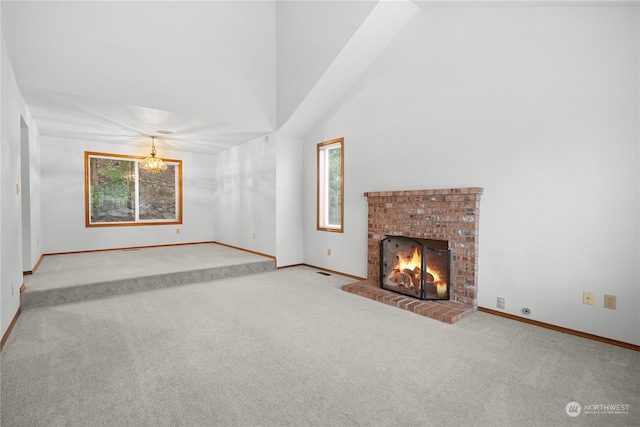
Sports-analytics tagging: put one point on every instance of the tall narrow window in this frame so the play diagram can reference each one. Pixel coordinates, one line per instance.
(119, 192)
(331, 185)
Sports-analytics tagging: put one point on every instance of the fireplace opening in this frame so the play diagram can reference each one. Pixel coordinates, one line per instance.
(415, 267)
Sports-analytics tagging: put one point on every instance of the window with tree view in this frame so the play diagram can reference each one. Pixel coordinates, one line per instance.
(119, 192)
(331, 185)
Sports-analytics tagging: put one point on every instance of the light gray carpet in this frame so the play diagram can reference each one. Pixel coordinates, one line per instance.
(58, 271)
(84, 276)
(289, 348)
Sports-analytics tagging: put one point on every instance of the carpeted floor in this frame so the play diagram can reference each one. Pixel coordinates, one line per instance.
(289, 348)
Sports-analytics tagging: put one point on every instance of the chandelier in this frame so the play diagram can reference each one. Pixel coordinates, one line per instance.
(153, 163)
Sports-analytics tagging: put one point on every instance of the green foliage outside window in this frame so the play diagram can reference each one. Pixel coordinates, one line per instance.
(335, 185)
(331, 185)
(119, 192)
(111, 191)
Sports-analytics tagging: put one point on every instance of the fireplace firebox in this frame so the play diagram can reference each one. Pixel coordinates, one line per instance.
(415, 267)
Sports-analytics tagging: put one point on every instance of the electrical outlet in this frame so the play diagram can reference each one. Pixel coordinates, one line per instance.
(328, 251)
(500, 303)
(254, 236)
(587, 297)
(177, 231)
(610, 301)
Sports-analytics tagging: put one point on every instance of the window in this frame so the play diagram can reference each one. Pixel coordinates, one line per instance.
(118, 192)
(331, 185)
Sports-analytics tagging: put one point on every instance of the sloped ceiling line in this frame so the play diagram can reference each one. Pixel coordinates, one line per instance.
(384, 22)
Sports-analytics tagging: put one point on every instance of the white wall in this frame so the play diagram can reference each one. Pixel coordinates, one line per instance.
(12, 110)
(289, 208)
(3, 328)
(348, 249)
(244, 196)
(258, 198)
(537, 105)
(31, 206)
(64, 205)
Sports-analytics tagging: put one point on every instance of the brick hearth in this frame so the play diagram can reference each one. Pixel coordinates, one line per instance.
(444, 311)
(444, 214)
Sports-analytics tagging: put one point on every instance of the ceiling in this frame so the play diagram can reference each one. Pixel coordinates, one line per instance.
(203, 76)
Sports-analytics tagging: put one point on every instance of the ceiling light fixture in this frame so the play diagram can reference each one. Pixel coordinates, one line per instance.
(153, 163)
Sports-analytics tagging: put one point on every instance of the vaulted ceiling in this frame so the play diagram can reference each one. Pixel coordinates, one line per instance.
(202, 75)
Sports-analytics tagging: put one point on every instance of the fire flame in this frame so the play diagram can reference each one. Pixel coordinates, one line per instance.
(409, 263)
(414, 261)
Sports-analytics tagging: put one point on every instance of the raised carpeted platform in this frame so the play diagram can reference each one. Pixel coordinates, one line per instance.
(84, 276)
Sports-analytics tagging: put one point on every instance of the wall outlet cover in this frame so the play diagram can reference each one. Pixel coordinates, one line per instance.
(610, 301)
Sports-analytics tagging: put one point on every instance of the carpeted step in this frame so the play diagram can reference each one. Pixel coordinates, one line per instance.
(61, 295)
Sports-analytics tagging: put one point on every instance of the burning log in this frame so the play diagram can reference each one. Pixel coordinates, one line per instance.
(400, 278)
(406, 278)
(414, 276)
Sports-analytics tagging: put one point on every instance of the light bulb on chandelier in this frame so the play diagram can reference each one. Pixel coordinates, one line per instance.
(153, 163)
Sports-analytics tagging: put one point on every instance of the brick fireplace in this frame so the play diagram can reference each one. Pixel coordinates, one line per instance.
(450, 215)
